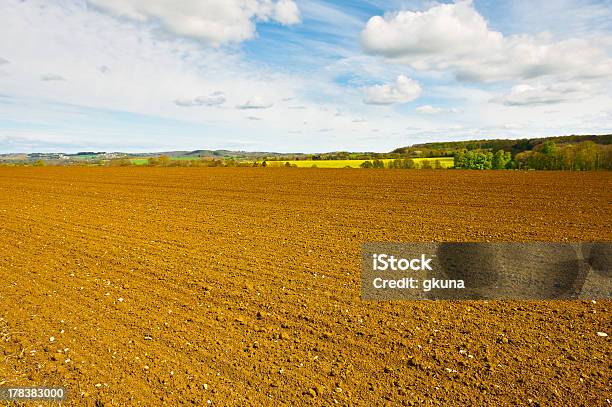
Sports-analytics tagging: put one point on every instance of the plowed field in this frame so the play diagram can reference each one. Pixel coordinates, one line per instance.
(153, 286)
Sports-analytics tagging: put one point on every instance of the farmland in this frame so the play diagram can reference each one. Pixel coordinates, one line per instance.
(445, 162)
(145, 161)
(166, 286)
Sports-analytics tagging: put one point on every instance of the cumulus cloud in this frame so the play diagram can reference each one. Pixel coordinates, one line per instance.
(403, 90)
(214, 99)
(524, 94)
(443, 28)
(215, 22)
(255, 103)
(429, 109)
(286, 12)
(455, 37)
(52, 77)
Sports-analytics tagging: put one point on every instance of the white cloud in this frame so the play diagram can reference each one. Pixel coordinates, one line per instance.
(3, 61)
(286, 12)
(429, 109)
(52, 77)
(214, 99)
(444, 28)
(255, 103)
(402, 91)
(455, 37)
(524, 94)
(215, 22)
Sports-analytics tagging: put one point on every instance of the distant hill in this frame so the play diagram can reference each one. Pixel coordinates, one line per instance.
(236, 154)
(102, 155)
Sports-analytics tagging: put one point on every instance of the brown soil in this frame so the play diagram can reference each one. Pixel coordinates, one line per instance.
(241, 286)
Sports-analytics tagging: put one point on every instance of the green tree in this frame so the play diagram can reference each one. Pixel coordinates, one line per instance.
(586, 156)
(426, 165)
(549, 148)
(378, 164)
(508, 159)
(394, 164)
(549, 151)
(408, 164)
(501, 159)
(487, 160)
(459, 159)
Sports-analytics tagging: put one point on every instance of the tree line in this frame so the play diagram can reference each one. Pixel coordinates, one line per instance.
(476, 160)
(584, 156)
(405, 163)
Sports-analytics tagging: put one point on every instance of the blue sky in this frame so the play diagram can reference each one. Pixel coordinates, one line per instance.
(298, 75)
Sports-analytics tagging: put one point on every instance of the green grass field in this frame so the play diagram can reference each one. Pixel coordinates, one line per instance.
(139, 161)
(446, 162)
